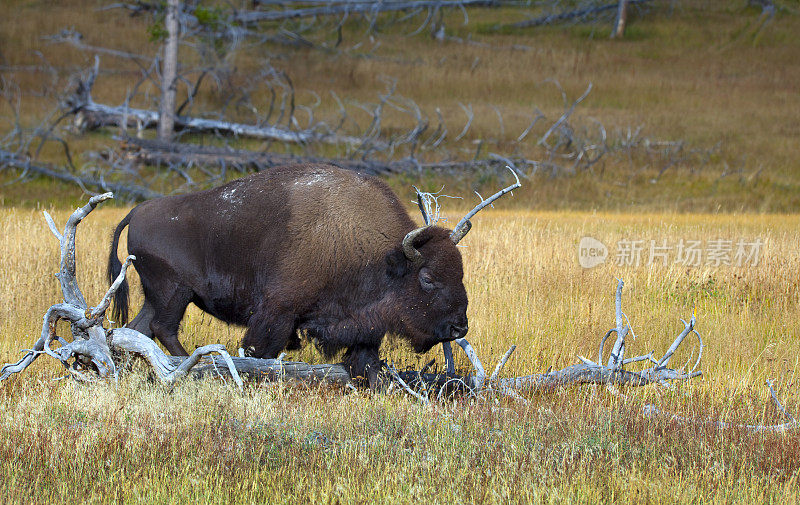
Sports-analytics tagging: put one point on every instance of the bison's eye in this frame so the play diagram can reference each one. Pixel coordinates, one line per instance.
(426, 280)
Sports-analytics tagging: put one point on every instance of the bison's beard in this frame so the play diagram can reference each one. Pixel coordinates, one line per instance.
(423, 341)
(425, 346)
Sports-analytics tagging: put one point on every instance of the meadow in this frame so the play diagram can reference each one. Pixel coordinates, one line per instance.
(204, 442)
(703, 73)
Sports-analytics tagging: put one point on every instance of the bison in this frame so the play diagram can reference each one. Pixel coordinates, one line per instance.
(306, 247)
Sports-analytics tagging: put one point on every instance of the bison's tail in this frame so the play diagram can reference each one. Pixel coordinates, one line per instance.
(120, 313)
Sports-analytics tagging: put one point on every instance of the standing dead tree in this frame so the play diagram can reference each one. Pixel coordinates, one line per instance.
(169, 73)
(622, 20)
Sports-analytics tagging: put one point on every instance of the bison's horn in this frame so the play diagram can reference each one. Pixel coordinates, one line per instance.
(408, 245)
(459, 233)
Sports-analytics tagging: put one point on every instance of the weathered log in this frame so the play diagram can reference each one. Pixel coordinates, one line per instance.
(268, 370)
(91, 115)
(156, 153)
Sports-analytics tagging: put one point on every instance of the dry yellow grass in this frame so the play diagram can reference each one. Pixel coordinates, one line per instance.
(698, 74)
(139, 442)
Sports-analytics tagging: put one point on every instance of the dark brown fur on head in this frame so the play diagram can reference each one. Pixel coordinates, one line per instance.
(432, 307)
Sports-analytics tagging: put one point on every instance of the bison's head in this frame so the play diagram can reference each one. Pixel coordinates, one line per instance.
(427, 274)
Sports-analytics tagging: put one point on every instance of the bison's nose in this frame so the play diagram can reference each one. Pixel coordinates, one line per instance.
(458, 331)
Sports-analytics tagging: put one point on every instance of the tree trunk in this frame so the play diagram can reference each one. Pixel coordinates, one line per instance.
(622, 19)
(169, 69)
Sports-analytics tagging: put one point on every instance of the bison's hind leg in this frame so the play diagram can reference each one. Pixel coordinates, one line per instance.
(141, 322)
(269, 334)
(169, 306)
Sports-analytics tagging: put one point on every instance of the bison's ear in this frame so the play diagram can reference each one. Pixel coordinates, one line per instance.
(396, 264)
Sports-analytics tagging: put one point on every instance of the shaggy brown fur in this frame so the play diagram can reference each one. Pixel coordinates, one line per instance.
(303, 247)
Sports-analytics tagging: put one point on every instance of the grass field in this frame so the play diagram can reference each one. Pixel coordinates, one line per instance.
(205, 443)
(701, 72)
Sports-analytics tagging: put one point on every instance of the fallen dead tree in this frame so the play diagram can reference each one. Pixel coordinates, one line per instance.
(93, 352)
(557, 145)
(159, 153)
(612, 375)
(267, 370)
(349, 8)
(611, 372)
(581, 13)
(271, 11)
(289, 9)
(27, 166)
(90, 115)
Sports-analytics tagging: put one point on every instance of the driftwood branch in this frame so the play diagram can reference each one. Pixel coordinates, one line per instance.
(464, 225)
(92, 346)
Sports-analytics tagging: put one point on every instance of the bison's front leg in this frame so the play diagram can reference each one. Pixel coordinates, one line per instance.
(268, 334)
(363, 364)
(360, 334)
